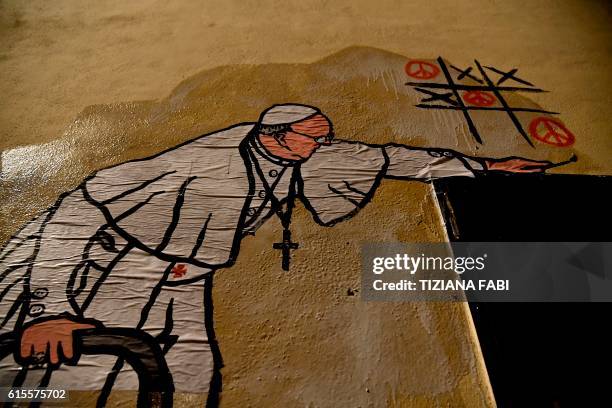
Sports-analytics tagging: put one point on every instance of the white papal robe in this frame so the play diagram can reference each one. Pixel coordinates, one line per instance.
(107, 249)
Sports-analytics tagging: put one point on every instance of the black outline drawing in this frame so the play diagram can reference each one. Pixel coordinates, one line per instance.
(154, 374)
(135, 346)
(485, 84)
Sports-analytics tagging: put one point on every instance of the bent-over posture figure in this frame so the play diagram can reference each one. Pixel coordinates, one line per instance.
(136, 244)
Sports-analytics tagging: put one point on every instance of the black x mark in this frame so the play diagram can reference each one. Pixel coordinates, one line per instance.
(508, 75)
(466, 73)
(446, 97)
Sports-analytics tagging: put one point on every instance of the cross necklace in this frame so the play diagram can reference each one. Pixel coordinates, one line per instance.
(286, 245)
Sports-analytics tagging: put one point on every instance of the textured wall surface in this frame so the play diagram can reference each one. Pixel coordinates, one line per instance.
(87, 87)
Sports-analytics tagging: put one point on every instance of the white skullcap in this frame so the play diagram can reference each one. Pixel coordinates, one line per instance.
(286, 114)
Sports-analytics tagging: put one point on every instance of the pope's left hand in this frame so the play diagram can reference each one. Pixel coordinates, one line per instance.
(518, 165)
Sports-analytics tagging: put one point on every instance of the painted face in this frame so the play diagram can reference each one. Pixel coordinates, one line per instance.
(305, 137)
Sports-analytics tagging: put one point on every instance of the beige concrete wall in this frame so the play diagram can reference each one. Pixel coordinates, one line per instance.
(58, 58)
(291, 339)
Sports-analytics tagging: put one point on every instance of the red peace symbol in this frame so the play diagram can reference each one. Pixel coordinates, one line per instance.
(479, 98)
(421, 69)
(551, 131)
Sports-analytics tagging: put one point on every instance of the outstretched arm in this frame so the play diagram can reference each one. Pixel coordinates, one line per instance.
(341, 178)
(429, 164)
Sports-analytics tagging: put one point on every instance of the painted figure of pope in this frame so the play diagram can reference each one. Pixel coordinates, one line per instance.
(136, 244)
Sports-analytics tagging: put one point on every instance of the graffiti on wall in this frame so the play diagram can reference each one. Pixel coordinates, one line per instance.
(114, 282)
(446, 86)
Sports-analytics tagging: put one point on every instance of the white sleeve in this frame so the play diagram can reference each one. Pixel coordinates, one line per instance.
(59, 253)
(428, 164)
(340, 179)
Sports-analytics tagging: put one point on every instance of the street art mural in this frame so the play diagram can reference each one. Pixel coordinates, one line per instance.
(484, 93)
(113, 284)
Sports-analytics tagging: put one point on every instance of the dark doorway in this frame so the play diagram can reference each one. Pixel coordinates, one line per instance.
(537, 354)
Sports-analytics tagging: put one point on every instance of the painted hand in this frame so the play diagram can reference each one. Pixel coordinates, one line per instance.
(51, 340)
(518, 165)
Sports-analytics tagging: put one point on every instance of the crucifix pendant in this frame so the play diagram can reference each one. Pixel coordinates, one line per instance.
(286, 246)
